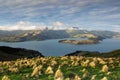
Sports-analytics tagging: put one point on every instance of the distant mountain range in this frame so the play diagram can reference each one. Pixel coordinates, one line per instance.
(29, 35)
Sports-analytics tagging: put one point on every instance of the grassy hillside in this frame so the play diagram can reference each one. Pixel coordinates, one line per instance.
(9, 53)
(115, 53)
(82, 65)
(61, 68)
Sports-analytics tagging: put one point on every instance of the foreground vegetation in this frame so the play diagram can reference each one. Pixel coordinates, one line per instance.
(61, 68)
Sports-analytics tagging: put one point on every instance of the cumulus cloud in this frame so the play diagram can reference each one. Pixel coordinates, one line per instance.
(23, 26)
(58, 24)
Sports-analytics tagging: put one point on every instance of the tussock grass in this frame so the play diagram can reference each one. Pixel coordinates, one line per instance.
(61, 68)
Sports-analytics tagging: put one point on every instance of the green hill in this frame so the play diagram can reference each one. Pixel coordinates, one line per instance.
(115, 53)
(9, 53)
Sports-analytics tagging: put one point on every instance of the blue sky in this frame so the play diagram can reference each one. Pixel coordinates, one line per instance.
(86, 14)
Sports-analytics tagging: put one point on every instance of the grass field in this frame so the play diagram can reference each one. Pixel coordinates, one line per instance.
(61, 68)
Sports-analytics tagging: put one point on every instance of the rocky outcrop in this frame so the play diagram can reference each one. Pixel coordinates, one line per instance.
(9, 53)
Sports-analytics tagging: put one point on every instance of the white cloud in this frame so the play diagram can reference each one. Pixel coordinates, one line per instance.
(23, 26)
(58, 24)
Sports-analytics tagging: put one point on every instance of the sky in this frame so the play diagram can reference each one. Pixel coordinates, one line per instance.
(35, 14)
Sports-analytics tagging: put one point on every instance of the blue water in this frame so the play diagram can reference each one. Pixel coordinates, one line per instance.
(53, 48)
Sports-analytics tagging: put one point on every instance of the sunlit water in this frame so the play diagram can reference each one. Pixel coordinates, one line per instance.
(53, 48)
